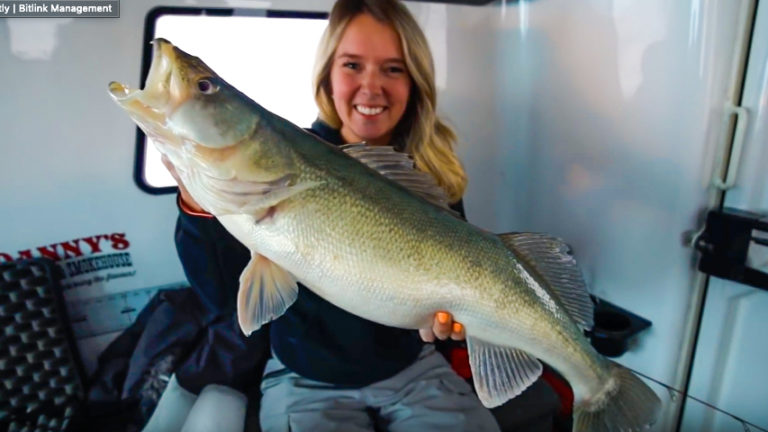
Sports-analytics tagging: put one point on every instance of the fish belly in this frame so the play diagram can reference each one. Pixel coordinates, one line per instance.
(495, 306)
(338, 275)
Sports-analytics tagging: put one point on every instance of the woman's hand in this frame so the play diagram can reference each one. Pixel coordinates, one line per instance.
(183, 192)
(442, 327)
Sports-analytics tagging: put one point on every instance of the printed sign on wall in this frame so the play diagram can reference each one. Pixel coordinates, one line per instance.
(86, 261)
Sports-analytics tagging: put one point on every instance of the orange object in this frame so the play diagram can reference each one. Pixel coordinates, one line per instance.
(186, 209)
(442, 317)
(457, 327)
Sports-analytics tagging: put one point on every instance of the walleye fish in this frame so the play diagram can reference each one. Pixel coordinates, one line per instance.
(359, 226)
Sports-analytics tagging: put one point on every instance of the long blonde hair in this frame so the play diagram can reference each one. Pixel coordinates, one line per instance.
(427, 138)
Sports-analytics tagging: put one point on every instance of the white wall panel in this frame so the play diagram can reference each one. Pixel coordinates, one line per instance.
(598, 121)
(729, 368)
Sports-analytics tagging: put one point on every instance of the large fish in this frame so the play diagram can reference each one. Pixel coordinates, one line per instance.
(364, 230)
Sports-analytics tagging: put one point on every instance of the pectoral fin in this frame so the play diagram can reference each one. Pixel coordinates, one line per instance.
(500, 373)
(266, 291)
(226, 196)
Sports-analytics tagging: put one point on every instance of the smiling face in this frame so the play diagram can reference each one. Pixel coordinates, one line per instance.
(370, 84)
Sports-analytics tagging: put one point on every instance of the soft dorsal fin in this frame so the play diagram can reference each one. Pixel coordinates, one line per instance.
(553, 261)
(500, 373)
(398, 167)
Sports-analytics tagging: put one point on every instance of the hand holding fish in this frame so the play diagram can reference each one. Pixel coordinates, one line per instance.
(443, 327)
(186, 197)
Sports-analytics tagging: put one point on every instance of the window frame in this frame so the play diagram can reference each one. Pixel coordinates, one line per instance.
(152, 17)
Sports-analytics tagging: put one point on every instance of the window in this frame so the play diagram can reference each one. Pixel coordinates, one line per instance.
(268, 55)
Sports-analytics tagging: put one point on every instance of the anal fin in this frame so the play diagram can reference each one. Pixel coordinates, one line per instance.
(266, 291)
(500, 373)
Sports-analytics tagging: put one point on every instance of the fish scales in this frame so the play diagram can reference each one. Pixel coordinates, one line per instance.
(398, 253)
(312, 213)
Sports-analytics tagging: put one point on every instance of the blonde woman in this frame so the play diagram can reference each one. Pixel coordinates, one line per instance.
(329, 369)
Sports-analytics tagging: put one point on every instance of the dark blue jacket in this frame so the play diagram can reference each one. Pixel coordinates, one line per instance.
(314, 338)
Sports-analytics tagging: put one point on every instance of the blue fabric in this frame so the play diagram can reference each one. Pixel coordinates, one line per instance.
(175, 331)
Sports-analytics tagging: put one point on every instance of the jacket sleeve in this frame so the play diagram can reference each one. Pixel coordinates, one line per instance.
(212, 260)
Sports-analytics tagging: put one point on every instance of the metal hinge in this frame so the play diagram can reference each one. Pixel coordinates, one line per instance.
(734, 246)
(732, 170)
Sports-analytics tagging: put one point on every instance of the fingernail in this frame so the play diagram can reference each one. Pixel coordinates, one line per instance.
(456, 327)
(442, 317)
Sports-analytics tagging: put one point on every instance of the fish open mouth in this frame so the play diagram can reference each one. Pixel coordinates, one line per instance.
(154, 101)
(171, 84)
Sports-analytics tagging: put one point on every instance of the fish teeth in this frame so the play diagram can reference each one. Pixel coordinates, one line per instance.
(369, 110)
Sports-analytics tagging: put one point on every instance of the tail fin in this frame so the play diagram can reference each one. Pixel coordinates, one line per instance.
(629, 406)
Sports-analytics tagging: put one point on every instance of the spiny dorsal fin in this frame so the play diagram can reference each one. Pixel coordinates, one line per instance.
(500, 373)
(553, 261)
(398, 167)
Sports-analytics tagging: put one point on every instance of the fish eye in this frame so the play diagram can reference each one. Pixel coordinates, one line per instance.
(206, 86)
